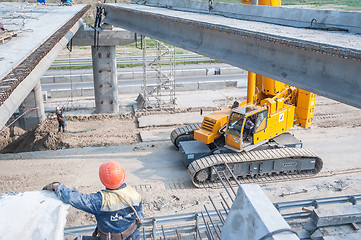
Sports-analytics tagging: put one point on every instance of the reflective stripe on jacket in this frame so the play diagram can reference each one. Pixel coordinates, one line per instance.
(112, 213)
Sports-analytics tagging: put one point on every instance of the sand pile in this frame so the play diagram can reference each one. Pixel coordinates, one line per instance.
(81, 131)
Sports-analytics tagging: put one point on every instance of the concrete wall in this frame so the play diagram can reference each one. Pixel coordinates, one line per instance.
(88, 77)
(188, 86)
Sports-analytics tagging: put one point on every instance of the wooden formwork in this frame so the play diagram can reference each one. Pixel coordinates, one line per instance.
(5, 35)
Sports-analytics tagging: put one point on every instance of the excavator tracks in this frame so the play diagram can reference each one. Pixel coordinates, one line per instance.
(183, 133)
(263, 166)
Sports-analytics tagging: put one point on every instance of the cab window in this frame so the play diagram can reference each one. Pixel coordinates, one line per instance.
(235, 124)
(260, 121)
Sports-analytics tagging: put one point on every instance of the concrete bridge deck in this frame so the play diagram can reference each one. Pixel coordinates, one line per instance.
(43, 32)
(324, 61)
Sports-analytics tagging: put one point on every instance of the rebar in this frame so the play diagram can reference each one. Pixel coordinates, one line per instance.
(208, 230)
(163, 232)
(229, 183)
(214, 206)
(210, 219)
(215, 170)
(234, 177)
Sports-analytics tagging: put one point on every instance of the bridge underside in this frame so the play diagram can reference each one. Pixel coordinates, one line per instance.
(325, 62)
(43, 31)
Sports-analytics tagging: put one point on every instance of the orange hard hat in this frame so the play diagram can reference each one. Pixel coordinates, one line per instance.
(111, 174)
(99, 2)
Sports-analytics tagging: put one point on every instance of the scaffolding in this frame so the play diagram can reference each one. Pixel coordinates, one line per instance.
(158, 92)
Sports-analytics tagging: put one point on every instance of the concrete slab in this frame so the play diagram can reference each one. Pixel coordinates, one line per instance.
(170, 119)
(32, 215)
(336, 215)
(155, 135)
(35, 23)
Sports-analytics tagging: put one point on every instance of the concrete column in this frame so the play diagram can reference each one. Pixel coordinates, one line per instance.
(253, 216)
(105, 79)
(32, 108)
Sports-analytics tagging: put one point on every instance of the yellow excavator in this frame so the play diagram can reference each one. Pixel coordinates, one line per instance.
(252, 137)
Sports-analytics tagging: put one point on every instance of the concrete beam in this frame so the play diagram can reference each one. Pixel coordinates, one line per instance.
(336, 215)
(293, 17)
(253, 216)
(327, 63)
(103, 37)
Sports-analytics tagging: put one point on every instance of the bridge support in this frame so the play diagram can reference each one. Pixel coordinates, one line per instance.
(253, 216)
(32, 109)
(105, 79)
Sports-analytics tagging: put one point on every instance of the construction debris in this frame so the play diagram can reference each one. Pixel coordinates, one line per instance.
(292, 193)
(6, 35)
(169, 202)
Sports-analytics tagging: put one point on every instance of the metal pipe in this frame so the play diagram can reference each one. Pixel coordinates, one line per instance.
(163, 233)
(214, 206)
(179, 237)
(210, 219)
(208, 230)
(225, 201)
(196, 227)
(224, 208)
(229, 183)
(234, 177)
(251, 87)
(320, 201)
(223, 219)
(214, 169)
(154, 230)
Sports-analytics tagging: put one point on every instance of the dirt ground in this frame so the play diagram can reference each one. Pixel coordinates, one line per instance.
(155, 168)
(118, 129)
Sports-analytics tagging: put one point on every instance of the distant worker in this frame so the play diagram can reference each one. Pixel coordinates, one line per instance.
(61, 119)
(248, 128)
(67, 2)
(98, 15)
(118, 209)
(41, 1)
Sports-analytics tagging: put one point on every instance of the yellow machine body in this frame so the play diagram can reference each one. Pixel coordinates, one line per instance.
(211, 125)
(273, 3)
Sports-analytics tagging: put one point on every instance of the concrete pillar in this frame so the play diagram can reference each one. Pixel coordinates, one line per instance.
(105, 79)
(32, 108)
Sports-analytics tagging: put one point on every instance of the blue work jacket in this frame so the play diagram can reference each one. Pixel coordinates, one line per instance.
(113, 215)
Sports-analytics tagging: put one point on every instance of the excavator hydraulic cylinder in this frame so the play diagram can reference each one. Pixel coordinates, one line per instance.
(251, 88)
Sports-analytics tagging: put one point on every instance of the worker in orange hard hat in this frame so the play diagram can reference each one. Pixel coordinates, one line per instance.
(98, 15)
(118, 209)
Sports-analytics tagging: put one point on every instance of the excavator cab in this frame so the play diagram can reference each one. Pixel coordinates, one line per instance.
(245, 126)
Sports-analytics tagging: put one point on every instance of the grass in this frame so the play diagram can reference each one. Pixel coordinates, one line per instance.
(350, 3)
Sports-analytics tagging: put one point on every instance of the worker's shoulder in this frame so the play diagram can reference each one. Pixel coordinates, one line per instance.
(129, 190)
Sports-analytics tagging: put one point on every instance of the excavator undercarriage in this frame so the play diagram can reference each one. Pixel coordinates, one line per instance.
(269, 162)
